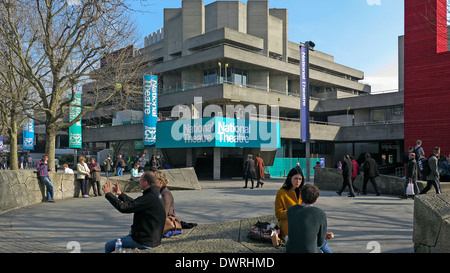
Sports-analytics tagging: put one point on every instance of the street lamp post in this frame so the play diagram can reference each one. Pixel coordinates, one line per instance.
(305, 136)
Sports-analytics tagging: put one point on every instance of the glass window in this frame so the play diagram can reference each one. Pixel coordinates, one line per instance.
(379, 115)
(209, 76)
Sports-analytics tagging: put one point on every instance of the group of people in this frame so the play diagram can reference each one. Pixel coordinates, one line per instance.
(118, 166)
(350, 171)
(254, 169)
(430, 169)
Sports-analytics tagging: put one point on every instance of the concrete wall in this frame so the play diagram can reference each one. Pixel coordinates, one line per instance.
(23, 188)
(330, 179)
(431, 232)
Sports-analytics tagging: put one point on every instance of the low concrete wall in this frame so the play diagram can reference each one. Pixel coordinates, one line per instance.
(23, 188)
(432, 223)
(331, 180)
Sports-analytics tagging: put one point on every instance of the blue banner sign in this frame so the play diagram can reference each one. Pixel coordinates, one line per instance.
(28, 134)
(219, 132)
(304, 93)
(150, 109)
(1, 143)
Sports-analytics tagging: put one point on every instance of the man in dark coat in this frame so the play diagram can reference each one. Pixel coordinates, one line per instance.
(370, 168)
(433, 177)
(347, 169)
(249, 170)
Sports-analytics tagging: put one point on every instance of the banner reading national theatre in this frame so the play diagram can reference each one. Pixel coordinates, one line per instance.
(150, 109)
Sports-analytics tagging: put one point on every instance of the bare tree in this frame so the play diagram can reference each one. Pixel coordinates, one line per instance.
(14, 93)
(64, 47)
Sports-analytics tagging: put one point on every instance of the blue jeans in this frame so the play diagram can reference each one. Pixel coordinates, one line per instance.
(49, 187)
(119, 171)
(325, 248)
(127, 242)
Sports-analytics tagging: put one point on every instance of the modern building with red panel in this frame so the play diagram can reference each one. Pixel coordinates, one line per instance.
(427, 75)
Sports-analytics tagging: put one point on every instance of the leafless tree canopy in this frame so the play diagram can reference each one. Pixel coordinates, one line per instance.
(56, 46)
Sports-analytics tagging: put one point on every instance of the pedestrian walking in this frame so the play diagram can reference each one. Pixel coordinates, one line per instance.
(347, 170)
(249, 170)
(355, 173)
(154, 162)
(108, 165)
(370, 168)
(433, 176)
(95, 170)
(142, 161)
(119, 166)
(412, 174)
(83, 175)
(43, 169)
(259, 170)
(29, 162)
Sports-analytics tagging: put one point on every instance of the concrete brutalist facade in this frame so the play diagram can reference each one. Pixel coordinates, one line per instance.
(235, 53)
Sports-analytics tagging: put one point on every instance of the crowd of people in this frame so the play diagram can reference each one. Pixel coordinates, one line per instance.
(431, 169)
(294, 203)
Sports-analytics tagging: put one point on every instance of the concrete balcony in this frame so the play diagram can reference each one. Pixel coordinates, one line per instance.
(323, 132)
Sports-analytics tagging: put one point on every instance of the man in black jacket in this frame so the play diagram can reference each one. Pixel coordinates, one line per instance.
(370, 168)
(149, 213)
(347, 168)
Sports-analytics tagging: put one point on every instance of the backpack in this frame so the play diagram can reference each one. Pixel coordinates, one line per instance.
(425, 170)
(122, 163)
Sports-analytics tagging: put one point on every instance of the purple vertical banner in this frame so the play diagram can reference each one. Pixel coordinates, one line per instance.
(304, 93)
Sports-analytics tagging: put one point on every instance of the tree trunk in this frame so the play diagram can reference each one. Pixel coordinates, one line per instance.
(50, 141)
(13, 150)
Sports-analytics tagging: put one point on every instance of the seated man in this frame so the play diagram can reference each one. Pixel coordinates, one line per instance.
(307, 224)
(149, 213)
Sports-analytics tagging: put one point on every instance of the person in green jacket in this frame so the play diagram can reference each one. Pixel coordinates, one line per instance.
(307, 224)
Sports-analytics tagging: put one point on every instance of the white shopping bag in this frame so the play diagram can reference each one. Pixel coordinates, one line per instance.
(410, 188)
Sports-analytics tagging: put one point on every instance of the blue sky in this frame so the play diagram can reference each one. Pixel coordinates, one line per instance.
(362, 34)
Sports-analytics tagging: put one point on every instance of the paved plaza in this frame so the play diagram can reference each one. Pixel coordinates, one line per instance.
(360, 224)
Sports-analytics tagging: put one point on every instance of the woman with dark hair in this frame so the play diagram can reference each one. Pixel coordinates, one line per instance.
(287, 196)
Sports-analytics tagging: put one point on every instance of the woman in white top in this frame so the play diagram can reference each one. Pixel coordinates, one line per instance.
(135, 175)
(83, 175)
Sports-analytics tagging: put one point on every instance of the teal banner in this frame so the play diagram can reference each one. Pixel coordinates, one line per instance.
(75, 135)
(218, 132)
(150, 109)
(28, 134)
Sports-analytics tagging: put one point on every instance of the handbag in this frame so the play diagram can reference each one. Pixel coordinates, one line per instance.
(172, 225)
(262, 231)
(410, 188)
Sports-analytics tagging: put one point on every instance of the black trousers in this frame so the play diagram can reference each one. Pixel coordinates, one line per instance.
(374, 184)
(84, 183)
(431, 183)
(94, 185)
(347, 182)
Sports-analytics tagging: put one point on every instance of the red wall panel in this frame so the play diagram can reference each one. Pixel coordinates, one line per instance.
(427, 75)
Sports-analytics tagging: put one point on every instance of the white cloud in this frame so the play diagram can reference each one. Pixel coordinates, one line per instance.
(374, 2)
(384, 79)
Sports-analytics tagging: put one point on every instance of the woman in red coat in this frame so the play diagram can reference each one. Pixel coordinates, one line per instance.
(259, 170)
